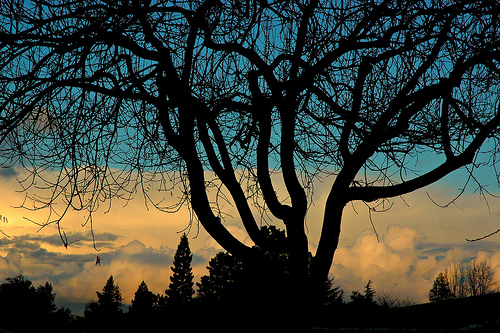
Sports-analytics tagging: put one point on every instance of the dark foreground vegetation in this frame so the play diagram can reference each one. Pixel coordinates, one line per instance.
(237, 296)
(25, 308)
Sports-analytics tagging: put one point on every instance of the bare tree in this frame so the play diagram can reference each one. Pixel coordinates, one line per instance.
(474, 279)
(480, 278)
(127, 96)
(456, 275)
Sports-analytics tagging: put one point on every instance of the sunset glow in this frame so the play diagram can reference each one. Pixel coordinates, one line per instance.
(416, 240)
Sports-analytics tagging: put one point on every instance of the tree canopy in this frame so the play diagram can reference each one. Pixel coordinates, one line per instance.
(120, 96)
(367, 298)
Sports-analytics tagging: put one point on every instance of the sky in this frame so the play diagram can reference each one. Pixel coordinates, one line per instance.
(402, 252)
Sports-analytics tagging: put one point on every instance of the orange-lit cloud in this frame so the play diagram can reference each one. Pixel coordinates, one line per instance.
(416, 240)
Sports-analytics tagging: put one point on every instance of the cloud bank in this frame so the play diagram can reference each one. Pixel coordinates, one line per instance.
(413, 245)
(400, 261)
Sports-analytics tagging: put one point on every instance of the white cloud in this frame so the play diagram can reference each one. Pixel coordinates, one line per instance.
(401, 262)
(402, 238)
(129, 264)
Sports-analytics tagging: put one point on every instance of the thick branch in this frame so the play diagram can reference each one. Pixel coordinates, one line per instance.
(263, 111)
(371, 193)
(226, 174)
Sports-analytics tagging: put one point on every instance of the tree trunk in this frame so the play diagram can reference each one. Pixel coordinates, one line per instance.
(295, 301)
(329, 240)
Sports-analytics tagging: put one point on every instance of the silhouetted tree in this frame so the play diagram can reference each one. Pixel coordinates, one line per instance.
(224, 275)
(110, 299)
(362, 311)
(45, 294)
(145, 302)
(227, 271)
(144, 309)
(367, 298)
(456, 276)
(180, 290)
(104, 313)
(233, 284)
(474, 279)
(440, 289)
(266, 96)
(481, 278)
(333, 295)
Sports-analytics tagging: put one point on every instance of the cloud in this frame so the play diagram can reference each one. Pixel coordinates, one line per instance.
(8, 173)
(76, 277)
(402, 238)
(401, 262)
(136, 244)
(75, 238)
(10, 264)
(34, 245)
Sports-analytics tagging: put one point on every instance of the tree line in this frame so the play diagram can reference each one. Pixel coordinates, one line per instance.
(459, 280)
(231, 292)
(26, 308)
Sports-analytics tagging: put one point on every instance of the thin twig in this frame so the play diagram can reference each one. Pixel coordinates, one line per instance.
(4, 233)
(373, 225)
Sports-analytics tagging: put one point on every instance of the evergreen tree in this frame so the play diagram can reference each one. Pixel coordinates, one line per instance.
(367, 298)
(144, 302)
(181, 289)
(46, 297)
(230, 277)
(369, 292)
(331, 295)
(440, 289)
(142, 313)
(225, 273)
(108, 304)
(111, 298)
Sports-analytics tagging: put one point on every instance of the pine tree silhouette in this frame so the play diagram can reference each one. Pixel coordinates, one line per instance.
(440, 289)
(364, 299)
(180, 290)
(111, 298)
(143, 313)
(108, 304)
(144, 301)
